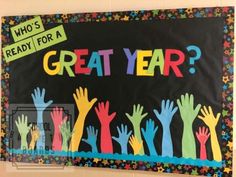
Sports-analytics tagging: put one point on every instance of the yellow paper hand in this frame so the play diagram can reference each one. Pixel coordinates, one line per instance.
(82, 102)
(35, 134)
(135, 144)
(208, 117)
(83, 105)
(211, 121)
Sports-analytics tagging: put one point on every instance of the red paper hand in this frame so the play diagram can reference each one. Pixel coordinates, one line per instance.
(102, 112)
(202, 136)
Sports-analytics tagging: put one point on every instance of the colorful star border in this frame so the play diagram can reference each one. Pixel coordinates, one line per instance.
(227, 91)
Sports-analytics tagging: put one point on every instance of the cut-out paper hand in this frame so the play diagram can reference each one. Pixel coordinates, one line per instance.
(208, 117)
(102, 112)
(92, 138)
(135, 144)
(123, 138)
(35, 134)
(82, 101)
(38, 99)
(137, 116)
(57, 118)
(186, 106)
(202, 136)
(23, 128)
(211, 121)
(84, 106)
(66, 134)
(165, 117)
(188, 114)
(167, 112)
(105, 119)
(136, 119)
(40, 105)
(149, 135)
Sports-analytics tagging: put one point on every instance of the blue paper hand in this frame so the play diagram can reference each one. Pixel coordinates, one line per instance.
(165, 117)
(92, 138)
(38, 98)
(123, 138)
(149, 135)
(40, 105)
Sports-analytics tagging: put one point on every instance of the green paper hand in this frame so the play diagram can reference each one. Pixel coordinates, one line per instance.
(137, 116)
(23, 128)
(186, 107)
(136, 119)
(188, 114)
(66, 134)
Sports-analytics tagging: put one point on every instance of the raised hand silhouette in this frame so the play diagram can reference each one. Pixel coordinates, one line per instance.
(123, 138)
(92, 138)
(165, 117)
(105, 119)
(135, 144)
(188, 114)
(66, 134)
(202, 136)
(211, 121)
(38, 98)
(82, 101)
(149, 135)
(23, 128)
(83, 106)
(35, 134)
(57, 118)
(136, 118)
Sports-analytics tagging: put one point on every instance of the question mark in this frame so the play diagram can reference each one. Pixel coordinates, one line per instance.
(197, 56)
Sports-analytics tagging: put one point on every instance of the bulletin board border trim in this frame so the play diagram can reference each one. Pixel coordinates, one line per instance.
(227, 13)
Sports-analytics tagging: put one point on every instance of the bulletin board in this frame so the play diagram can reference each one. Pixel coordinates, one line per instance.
(141, 90)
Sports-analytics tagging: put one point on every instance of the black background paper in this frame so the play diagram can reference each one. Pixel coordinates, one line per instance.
(124, 90)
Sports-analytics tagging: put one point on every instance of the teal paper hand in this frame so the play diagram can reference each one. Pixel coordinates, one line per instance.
(23, 128)
(149, 135)
(66, 134)
(188, 114)
(136, 119)
(165, 117)
(92, 138)
(123, 138)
